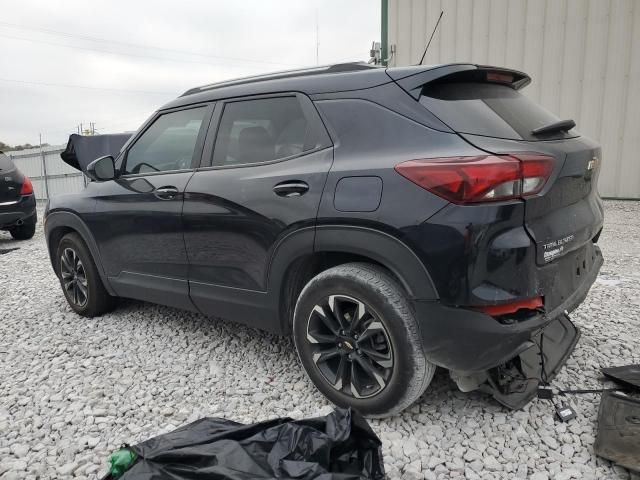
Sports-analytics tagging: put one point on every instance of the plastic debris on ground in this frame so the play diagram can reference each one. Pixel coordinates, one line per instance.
(628, 375)
(618, 437)
(339, 446)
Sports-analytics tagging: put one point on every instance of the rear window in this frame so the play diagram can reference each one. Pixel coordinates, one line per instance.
(487, 109)
(5, 163)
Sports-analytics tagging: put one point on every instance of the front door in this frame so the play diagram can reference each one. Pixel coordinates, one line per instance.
(262, 182)
(137, 222)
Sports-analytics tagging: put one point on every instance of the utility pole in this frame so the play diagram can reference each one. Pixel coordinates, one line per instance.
(44, 169)
(317, 40)
(384, 31)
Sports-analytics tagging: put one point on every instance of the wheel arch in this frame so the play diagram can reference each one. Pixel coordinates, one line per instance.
(385, 249)
(294, 263)
(60, 223)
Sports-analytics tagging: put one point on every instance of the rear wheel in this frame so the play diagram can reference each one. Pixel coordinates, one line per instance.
(359, 342)
(23, 232)
(79, 278)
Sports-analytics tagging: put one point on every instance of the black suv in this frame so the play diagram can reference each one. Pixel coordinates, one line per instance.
(17, 201)
(392, 220)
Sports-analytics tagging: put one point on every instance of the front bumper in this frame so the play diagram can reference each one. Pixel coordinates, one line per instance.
(21, 212)
(470, 341)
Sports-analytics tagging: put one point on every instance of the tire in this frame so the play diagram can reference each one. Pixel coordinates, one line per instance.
(87, 297)
(24, 231)
(380, 341)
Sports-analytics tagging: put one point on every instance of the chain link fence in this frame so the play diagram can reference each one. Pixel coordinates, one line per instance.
(48, 173)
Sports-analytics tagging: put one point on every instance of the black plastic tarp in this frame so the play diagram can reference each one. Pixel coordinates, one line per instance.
(339, 446)
(82, 150)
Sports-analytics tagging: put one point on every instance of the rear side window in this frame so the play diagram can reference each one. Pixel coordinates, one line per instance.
(487, 109)
(262, 130)
(5, 163)
(168, 144)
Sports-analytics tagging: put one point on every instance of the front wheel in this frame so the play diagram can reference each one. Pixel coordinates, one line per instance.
(79, 278)
(359, 342)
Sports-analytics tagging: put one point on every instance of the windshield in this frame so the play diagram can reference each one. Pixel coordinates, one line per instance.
(5, 163)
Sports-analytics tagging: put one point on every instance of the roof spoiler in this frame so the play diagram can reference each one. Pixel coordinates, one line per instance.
(412, 79)
(82, 150)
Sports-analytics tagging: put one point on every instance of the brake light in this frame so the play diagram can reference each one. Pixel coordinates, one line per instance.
(483, 178)
(499, 77)
(27, 186)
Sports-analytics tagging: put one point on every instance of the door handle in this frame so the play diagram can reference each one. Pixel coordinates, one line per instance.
(292, 188)
(166, 193)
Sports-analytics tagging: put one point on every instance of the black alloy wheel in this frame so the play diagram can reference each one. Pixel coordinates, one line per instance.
(350, 346)
(358, 340)
(74, 277)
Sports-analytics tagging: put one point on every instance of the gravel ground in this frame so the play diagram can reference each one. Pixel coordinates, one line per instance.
(73, 389)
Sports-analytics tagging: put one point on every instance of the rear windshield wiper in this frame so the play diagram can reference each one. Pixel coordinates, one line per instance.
(559, 126)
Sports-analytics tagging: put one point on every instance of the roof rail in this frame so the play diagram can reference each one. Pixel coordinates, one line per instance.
(300, 72)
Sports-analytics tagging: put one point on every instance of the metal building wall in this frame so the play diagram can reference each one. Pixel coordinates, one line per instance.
(59, 178)
(583, 57)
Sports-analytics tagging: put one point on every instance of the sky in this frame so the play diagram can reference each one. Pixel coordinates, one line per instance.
(114, 62)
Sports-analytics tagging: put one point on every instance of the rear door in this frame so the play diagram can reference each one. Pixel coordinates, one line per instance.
(264, 167)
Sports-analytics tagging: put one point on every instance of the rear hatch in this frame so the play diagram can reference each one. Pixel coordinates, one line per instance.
(484, 106)
(10, 181)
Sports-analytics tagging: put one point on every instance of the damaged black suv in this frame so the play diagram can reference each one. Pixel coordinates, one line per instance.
(392, 220)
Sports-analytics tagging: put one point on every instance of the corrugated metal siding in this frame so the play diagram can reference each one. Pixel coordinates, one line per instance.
(60, 177)
(583, 57)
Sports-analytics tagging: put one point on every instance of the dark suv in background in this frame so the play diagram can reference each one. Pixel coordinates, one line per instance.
(393, 220)
(17, 201)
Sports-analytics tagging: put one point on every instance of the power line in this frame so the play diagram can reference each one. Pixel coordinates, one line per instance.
(106, 51)
(65, 85)
(127, 44)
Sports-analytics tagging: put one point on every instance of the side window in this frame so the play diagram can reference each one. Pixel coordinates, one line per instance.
(254, 131)
(168, 144)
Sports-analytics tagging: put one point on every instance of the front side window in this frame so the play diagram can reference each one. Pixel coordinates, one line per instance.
(255, 131)
(168, 144)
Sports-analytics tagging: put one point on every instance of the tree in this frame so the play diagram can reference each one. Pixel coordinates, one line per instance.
(7, 148)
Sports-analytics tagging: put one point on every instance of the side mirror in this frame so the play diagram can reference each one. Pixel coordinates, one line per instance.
(102, 169)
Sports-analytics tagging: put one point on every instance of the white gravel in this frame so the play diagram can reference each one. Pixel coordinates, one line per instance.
(72, 389)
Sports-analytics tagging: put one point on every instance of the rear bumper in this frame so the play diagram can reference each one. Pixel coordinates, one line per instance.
(23, 211)
(470, 341)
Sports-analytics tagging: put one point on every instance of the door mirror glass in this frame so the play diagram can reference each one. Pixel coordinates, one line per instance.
(102, 169)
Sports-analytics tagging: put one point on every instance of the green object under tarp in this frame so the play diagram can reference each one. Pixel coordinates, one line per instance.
(120, 461)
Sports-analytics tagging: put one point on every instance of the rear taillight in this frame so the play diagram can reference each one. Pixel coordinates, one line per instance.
(27, 186)
(484, 178)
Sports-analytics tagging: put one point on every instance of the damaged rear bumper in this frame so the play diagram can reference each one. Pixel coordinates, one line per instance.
(516, 382)
(470, 342)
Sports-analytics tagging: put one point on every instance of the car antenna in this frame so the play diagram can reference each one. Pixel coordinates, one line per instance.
(431, 38)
